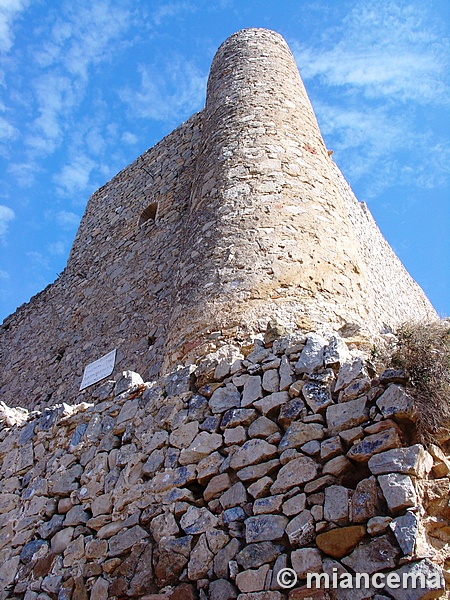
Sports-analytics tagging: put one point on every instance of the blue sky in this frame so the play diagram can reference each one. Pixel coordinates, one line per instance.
(87, 86)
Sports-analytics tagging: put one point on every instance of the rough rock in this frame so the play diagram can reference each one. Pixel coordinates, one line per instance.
(340, 541)
(414, 460)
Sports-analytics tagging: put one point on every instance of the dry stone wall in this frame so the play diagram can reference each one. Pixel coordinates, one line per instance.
(206, 483)
(247, 217)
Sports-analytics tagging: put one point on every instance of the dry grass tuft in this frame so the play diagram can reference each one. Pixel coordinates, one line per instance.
(422, 350)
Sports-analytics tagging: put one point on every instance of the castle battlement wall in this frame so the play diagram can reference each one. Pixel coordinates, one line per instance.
(238, 216)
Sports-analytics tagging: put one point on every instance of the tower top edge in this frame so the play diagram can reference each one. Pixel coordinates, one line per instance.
(254, 33)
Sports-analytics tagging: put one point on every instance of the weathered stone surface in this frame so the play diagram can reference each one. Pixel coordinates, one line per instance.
(252, 390)
(290, 411)
(173, 556)
(295, 505)
(374, 444)
(203, 445)
(317, 396)
(253, 556)
(355, 389)
(271, 383)
(337, 466)
(123, 541)
(336, 352)
(262, 428)
(252, 580)
(301, 530)
(341, 541)
(331, 448)
(373, 556)
(270, 405)
(377, 525)
(306, 560)
(238, 416)
(235, 496)
(405, 529)
(164, 525)
(256, 472)
(223, 557)
(398, 490)
(271, 504)
(395, 403)
(336, 507)
(414, 460)
(221, 589)
(184, 435)
(197, 520)
(253, 452)
(364, 500)
(217, 484)
(346, 415)
(225, 398)
(297, 471)
(128, 379)
(265, 528)
(201, 560)
(311, 357)
(432, 577)
(299, 433)
(350, 371)
(286, 374)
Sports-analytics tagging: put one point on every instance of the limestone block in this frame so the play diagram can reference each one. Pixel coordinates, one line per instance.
(413, 460)
(398, 490)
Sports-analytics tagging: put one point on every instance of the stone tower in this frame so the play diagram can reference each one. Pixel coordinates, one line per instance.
(238, 216)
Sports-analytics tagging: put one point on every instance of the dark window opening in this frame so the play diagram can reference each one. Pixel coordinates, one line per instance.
(149, 213)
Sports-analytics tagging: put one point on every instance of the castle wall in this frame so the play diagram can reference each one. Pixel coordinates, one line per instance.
(274, 231)
(253, 221)
(116, 291)
(205, 484)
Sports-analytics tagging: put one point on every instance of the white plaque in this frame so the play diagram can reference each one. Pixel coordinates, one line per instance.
(98, 370)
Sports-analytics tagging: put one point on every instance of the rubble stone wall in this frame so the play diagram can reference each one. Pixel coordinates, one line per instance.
(206, 483)
(251, 220)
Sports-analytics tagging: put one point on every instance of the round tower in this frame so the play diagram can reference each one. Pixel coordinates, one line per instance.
(267, 234)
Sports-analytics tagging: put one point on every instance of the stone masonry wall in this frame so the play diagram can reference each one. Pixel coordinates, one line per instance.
(208, 482)
(252, 220)
(116, 291)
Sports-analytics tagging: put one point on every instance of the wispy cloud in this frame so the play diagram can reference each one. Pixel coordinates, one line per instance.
(67, 219)
(170, 95)
(9, 11)
(172, 9)
(75, 177)
(385, 50)
(6, 216)
(379, 69)
(57, 248)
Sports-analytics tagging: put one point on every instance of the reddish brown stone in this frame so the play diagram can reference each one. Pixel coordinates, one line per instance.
(185, 591)
(339, 542)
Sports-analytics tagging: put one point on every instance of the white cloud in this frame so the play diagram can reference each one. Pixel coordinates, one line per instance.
(383, 49)
(7, 131)
(75, 176)
(167, 96)
(38, 260)
(6, 216)
(9, 11)
(24, 173)
(129, 138)
(4, 275)
(67, 219)
(57, 248)
(172, 9)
